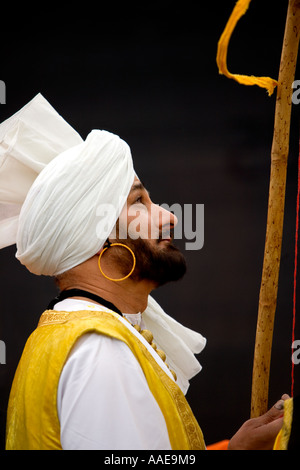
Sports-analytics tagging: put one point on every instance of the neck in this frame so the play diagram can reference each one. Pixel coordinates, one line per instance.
(128, 296)
(127, 300)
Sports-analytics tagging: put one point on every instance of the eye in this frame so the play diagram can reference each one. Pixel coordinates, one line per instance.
(139, 200)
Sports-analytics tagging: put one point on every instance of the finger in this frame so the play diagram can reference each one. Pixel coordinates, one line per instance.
(275, 412)
(279, 405)
(275, 426)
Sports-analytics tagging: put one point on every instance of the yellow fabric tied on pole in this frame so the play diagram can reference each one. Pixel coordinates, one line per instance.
(264, 82)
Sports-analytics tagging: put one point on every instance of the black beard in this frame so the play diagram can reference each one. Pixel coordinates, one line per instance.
(154, 262)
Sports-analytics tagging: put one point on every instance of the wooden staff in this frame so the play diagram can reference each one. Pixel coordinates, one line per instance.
(271, 264)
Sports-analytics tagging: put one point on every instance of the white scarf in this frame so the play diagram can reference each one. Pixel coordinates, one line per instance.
(178, 342)
(51, 186)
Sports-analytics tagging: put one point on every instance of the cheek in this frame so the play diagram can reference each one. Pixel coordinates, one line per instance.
(122, 225)
(141, 224)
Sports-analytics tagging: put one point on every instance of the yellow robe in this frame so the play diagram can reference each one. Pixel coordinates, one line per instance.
(32, 420)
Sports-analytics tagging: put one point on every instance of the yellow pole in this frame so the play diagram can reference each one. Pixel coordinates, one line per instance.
(272, 254)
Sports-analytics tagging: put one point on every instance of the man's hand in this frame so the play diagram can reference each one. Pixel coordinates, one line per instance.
(260, 433)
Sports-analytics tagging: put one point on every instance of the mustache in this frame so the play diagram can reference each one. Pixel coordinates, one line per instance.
(166, 234)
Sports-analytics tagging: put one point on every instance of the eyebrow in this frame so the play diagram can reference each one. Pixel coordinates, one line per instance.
(139, 187)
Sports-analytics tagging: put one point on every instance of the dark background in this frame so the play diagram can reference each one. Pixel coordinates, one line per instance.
(148, 73)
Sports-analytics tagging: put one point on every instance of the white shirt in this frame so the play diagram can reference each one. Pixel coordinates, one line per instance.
(103, 398)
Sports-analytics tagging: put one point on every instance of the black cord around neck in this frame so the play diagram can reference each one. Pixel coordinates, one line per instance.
(65, 294)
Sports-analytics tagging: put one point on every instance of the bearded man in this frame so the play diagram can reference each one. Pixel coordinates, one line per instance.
(106, 368)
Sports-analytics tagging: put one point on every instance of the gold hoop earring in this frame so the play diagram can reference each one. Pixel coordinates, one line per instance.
(133, 266)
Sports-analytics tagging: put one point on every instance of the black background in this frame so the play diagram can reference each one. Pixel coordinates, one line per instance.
(148, 73)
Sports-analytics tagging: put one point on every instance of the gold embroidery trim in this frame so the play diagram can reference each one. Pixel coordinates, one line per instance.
(51, 317)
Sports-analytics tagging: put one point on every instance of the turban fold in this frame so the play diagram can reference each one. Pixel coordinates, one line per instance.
(68, 182)
(29, 140)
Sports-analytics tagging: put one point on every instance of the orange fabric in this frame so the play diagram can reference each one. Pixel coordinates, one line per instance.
(221, 445)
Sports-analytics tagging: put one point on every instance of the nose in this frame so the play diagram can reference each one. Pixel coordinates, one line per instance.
(166, 219)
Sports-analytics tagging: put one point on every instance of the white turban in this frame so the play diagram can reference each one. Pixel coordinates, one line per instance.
(29, 140)
(59, 225)
(60, 198)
